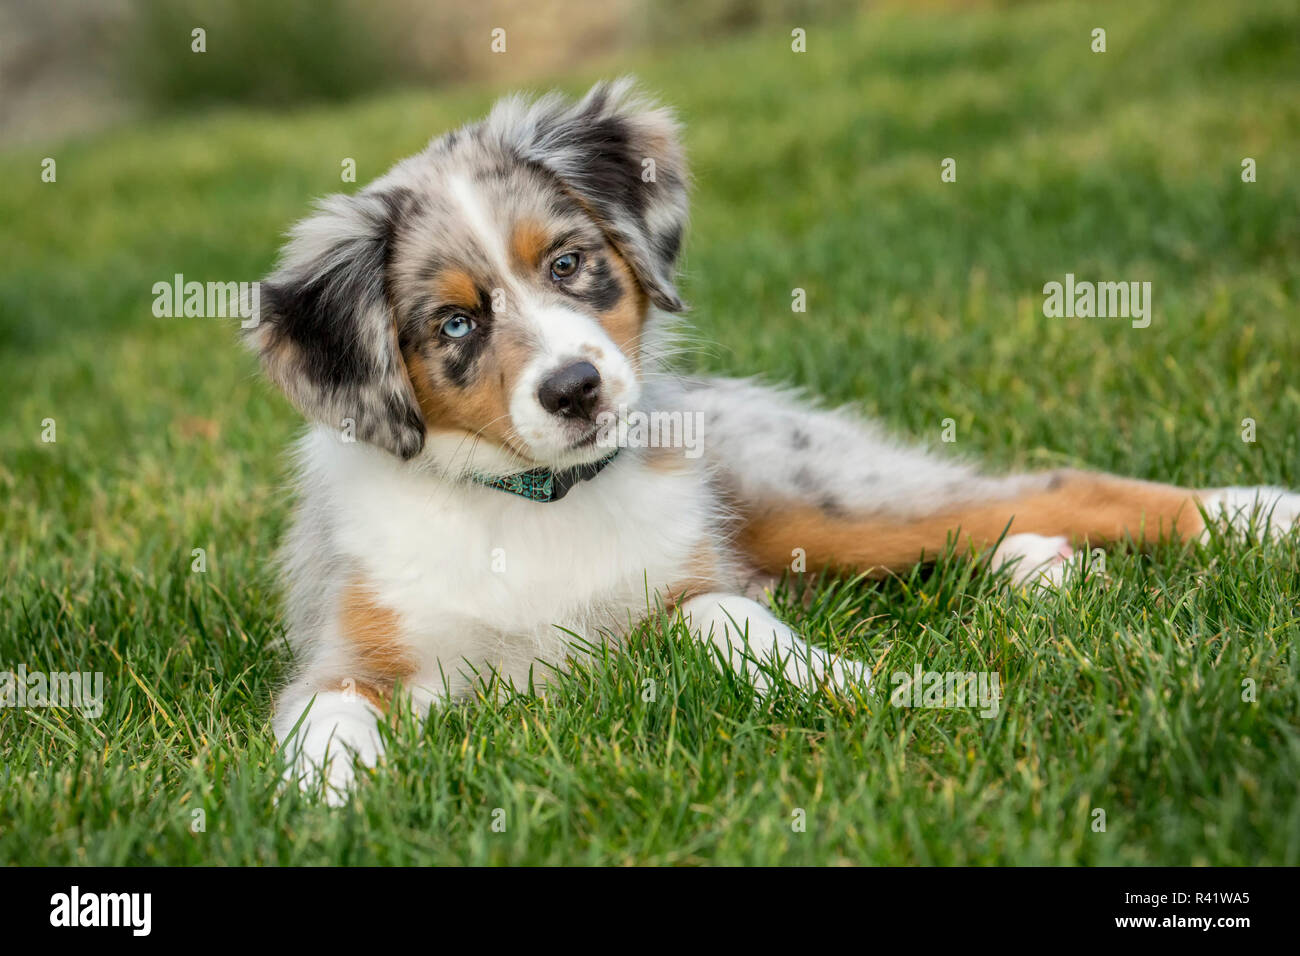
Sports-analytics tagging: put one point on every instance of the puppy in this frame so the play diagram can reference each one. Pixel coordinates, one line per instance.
(472, 334)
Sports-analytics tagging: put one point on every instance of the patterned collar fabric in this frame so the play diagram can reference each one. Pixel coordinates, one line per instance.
(543, 484)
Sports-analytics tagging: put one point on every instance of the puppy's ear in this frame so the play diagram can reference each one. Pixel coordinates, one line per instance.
(326, 333)
(622, 156)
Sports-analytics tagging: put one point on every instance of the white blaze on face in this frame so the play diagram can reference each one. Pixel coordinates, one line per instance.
(561, 335)
(565, 336)
(484, 228)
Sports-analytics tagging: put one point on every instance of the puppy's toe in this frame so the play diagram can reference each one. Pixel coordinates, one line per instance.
(1035, 560)
(339, 731)
(1271, 511)
(331, 780)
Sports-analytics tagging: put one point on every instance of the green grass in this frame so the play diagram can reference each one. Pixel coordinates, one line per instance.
(818, 171)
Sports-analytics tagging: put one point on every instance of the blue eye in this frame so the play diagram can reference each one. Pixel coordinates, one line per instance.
(458, 326)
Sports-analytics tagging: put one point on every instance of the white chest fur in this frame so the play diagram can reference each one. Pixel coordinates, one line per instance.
(479, 573)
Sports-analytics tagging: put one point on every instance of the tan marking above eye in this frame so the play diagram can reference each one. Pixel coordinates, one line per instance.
(456, 287)
(528, 242)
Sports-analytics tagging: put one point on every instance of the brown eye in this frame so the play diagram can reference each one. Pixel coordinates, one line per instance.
(565, 265)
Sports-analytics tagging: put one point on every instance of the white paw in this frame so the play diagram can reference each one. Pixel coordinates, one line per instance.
(846, 673)
(1272, 511)
(1037, 560)
(753, 639)
(339, 731)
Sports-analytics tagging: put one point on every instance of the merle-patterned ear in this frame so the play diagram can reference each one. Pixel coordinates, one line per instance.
(326, 333)
(622, 156)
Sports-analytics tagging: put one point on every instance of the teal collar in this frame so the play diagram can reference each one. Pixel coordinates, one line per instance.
(543, 484)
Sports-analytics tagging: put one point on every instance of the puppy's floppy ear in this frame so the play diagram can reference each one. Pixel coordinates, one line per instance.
(622, 156)
(326, 333)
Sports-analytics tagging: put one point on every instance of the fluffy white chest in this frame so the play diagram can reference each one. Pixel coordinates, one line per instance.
(459, 562)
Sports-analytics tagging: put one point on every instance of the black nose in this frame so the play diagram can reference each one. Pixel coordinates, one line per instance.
(572, 391)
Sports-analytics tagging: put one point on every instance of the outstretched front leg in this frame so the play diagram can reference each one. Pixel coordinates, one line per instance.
(749, 638)
(325, 729)
(328, 728)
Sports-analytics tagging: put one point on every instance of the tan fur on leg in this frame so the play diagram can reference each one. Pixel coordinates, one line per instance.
(1084, 507)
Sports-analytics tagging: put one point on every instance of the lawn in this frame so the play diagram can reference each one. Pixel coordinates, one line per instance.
(1165, 694)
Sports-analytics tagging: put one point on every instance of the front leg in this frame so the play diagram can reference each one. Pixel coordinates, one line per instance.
(749, 636)
(324, 729)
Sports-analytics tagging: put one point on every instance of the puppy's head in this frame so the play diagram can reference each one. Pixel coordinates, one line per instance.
(490, 293)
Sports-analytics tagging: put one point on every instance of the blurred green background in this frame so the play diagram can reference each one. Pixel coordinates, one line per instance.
(67, 66)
